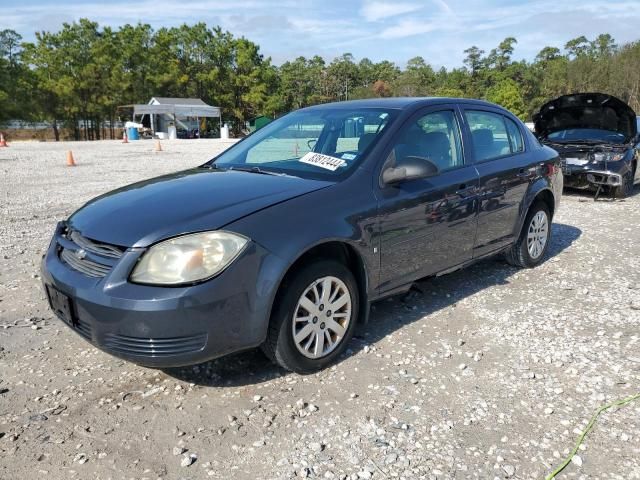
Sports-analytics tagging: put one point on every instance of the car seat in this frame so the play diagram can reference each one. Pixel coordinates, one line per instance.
(483, 143)
(436, 147)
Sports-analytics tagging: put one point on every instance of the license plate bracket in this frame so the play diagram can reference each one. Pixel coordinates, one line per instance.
(61, 305)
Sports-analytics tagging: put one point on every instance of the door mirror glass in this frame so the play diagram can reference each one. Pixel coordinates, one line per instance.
(408, 168)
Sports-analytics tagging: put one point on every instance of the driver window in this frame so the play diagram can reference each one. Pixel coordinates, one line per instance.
(434, 136)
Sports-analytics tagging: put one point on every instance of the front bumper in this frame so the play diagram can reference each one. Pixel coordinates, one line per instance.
(595, 174)
(588, 176)
(167, 326)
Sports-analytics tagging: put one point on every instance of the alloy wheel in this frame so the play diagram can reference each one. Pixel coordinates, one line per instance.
(537, 234)
(321, 317)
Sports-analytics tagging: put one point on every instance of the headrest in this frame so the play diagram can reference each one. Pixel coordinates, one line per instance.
(365, 140)
(438, 140)
(483, 137)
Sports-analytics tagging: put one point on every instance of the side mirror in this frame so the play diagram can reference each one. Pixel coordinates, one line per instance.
(409, 168)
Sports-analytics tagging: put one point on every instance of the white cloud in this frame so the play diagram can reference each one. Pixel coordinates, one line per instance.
(407, 28)
(438, 30)
(375, 11)
(444, 6)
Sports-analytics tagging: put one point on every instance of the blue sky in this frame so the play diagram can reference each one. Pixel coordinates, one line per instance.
(438, 30)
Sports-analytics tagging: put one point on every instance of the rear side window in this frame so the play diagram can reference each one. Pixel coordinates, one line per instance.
(515, 136)
(489, 134)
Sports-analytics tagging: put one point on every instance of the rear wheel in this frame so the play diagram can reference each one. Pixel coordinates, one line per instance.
(532, 244)
(314, 317)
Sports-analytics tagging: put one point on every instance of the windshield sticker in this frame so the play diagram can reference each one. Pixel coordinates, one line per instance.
(323, 161)
(348, 156)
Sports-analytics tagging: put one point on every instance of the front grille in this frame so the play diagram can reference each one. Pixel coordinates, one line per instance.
(154, 347)
(84, 265)
(87, 256)
(102, 249)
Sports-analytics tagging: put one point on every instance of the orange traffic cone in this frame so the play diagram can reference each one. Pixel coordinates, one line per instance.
(158, 146)
(70, 161)
(125, 139)
(3, 142)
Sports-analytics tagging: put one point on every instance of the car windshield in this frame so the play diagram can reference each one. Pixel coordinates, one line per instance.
(586, 135)
(322, 143)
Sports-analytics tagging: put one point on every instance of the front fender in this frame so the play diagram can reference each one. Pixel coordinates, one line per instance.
(344, 213)
(621, 167)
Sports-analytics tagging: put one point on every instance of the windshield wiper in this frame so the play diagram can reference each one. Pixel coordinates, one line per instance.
(258, 170)
(212, 166)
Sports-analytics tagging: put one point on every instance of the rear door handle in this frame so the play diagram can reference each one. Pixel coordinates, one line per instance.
(524, 173)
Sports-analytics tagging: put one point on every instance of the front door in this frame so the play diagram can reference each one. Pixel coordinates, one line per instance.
(428, 225)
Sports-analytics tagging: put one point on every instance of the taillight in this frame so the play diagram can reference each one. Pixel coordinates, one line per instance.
(551, 169)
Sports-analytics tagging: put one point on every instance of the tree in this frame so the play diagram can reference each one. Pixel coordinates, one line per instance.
(416, 80)
(507, 94)
(603, 45)
(343, 74)
(14, 78)
(381, 88)
(473, 59)
(79, 75)
(501, 56)
(548, 54)
(577, 47)
(10, 45)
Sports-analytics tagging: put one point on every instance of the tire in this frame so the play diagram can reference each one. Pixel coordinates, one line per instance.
(520, 254)
(306, 286)
(626, 188)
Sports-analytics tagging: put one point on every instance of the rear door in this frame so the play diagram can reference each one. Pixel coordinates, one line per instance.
(505, 171)
(428, 225)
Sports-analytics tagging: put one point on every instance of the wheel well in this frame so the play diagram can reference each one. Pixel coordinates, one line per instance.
(345, 254)
(547, 197)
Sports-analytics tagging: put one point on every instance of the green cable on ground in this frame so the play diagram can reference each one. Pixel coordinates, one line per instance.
(567, 461)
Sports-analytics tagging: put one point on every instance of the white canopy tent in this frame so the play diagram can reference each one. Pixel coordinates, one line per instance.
(163, 111)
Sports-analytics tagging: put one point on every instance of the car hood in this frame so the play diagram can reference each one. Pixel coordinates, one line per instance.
(586, 110)
(190, 201)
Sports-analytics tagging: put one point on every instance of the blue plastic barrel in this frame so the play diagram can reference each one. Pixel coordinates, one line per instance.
(132, 133)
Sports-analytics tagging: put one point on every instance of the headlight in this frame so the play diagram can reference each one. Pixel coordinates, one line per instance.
(188, 258)
(607, 156)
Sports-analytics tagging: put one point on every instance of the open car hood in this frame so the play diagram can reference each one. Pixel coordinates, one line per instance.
(586, 110)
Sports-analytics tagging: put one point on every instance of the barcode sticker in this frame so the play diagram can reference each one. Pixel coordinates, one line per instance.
(323, 161)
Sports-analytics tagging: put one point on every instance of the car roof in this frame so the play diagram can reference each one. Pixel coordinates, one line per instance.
(400, 103)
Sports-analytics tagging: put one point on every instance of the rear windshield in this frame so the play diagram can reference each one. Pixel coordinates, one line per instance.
(319, 143)
(586, 134)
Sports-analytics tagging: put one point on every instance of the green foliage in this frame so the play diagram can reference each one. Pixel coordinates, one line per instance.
(507, 94)
(79, 75)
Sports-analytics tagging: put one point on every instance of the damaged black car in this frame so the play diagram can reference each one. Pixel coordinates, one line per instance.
(597, 138)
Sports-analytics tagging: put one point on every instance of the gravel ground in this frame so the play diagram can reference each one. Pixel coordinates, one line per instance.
(490, 372)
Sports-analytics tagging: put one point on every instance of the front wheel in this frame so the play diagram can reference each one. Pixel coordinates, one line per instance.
(626, 187)
(532, 244)
(314, 317)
